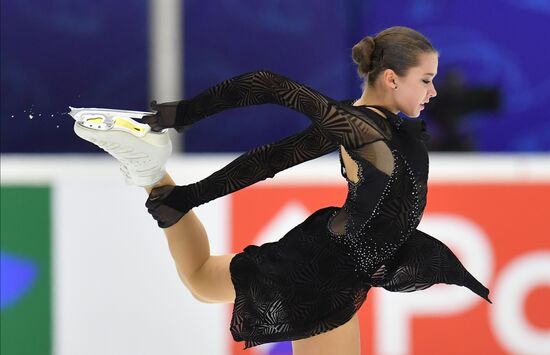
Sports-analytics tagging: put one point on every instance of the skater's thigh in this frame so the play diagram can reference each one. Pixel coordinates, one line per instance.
(344, 340)
(212, 281)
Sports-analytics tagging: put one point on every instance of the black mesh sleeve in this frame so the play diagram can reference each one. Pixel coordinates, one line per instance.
(333, 123)
(265, 87)
(168, 204)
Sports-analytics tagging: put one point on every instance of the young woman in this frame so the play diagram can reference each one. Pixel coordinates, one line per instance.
(308, 286)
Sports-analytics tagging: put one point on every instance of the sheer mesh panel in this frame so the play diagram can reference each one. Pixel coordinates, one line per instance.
(338, 222)
(379, 155)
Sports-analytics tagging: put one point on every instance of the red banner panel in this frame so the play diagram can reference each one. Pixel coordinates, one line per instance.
(499, 231)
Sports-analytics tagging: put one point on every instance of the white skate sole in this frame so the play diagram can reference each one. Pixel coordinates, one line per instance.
(104, 119)
(141, 151)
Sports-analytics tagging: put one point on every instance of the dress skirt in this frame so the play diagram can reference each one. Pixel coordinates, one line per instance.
(306, 283)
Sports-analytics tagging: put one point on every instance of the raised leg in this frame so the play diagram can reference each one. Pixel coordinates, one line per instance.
(142, 155)
(206, 276)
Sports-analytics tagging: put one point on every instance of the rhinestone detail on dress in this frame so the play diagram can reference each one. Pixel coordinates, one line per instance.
(370, 251)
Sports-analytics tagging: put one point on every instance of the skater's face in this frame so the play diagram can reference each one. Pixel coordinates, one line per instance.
(416, 88)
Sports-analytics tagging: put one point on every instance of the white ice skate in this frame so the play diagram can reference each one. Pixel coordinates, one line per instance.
(141, 152)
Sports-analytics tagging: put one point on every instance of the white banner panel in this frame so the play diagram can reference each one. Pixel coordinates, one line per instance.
(116, 287)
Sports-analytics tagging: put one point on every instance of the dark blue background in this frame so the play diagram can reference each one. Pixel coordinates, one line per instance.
(95, 54)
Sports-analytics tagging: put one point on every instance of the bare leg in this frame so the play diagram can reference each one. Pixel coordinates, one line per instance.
(206, 276)
(344, 340)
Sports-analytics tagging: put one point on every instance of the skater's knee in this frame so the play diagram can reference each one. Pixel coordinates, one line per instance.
(212, 281)
(200, 298)
(205, 294)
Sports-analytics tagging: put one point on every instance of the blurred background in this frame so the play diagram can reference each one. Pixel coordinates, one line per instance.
(78, 278)
(492, 81)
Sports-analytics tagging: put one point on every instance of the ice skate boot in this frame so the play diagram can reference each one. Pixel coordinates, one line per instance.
(141, 152)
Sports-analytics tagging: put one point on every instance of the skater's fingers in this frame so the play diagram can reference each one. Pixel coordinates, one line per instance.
(150, 119)
(154, 122)
(152, 203)
(164, 216)
(157, 195)
(155, 213)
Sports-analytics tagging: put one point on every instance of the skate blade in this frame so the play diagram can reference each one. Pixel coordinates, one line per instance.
(108, 119)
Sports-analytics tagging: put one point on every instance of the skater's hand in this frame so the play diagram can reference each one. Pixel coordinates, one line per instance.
(158, 205)
(164, 117)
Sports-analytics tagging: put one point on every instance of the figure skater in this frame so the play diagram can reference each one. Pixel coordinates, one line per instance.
(308, 286)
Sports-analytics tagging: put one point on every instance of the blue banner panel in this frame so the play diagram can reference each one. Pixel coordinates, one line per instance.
(83, 53)
(493, 48)
(305, 40)
(493, 44)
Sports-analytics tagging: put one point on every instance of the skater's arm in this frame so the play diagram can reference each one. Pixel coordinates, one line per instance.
(169, 204)
(338, 121)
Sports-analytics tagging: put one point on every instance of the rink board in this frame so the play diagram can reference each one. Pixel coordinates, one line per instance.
(112, 288)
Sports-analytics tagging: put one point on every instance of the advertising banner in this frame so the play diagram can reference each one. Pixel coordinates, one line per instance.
(497, 230)
(86, 270)
(25, 258)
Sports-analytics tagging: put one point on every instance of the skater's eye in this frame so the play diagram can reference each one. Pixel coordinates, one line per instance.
(426, 81)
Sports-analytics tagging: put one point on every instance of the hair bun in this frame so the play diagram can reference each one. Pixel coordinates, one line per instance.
(361, 54)
(396, 48)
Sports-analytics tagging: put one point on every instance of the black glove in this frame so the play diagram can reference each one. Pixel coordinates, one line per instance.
(166, 116)
(167, 204)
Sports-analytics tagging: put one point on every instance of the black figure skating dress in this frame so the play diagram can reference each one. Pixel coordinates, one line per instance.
(316, 277)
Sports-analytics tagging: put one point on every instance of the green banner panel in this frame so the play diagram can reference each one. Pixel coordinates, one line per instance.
(26, 274)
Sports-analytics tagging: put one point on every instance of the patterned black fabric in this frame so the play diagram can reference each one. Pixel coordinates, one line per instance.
(317, 276)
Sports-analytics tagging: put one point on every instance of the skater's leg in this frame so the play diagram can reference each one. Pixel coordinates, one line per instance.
(344, 340)
(206, 276)
(143, 158)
